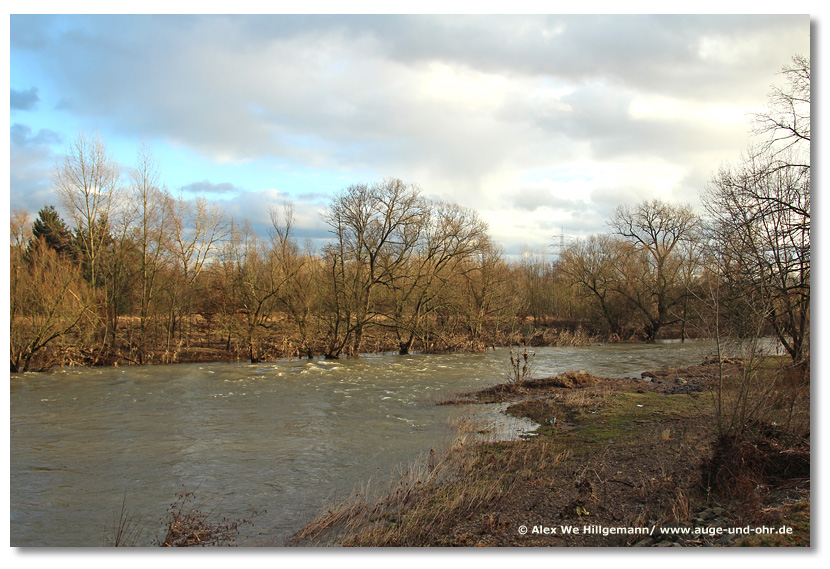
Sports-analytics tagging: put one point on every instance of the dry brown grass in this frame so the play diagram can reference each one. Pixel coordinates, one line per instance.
(762, 390)
(432, 497)
(587, 398)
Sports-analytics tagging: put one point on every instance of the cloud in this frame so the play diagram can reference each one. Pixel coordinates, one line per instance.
(314, 197)
(208, 187)
(335, 90)
(469, 107)
(256, 207)
(21, 135)
(665, 53)
(607, 198)
(31, 165)
(23, 100)
(532, 199)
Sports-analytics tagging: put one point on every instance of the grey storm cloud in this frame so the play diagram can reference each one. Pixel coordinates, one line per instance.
(23, 100)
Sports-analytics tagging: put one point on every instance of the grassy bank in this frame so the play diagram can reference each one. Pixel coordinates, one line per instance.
(610, 458)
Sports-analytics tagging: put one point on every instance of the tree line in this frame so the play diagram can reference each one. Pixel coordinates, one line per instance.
(139, 276)
(740, 270)
(136, 275)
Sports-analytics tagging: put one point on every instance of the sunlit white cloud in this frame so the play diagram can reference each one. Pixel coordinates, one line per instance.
(535, 121)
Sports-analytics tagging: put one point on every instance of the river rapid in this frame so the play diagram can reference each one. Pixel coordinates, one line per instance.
(283, 437)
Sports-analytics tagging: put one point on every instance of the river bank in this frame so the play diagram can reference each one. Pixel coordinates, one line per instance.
(614, 462)
(206, 342)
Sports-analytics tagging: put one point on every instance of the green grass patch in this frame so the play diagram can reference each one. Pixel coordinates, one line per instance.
(629, 417)
(585, 419)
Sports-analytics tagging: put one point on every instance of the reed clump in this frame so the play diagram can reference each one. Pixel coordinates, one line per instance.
(125, 530)
(188, 526)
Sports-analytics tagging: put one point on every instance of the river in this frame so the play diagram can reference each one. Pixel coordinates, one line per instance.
(283, 437)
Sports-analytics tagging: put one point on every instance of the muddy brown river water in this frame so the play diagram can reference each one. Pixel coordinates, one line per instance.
(283, 437)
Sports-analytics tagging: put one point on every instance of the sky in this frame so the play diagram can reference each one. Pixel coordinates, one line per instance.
(541, 123)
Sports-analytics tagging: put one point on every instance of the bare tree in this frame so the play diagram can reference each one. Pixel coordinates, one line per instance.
(449, 236)
(118, 271)
(760, 211)
(785, 125)
(302, 271)
(20, 229)
(154, 207)
(691, 254)
(591, 265)
(486, 295)
(49, 299)
(651, 279)
(258, 280)
(762, 228)
(534, 276)
(88, 182)
(376, 229)
(196, 230)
